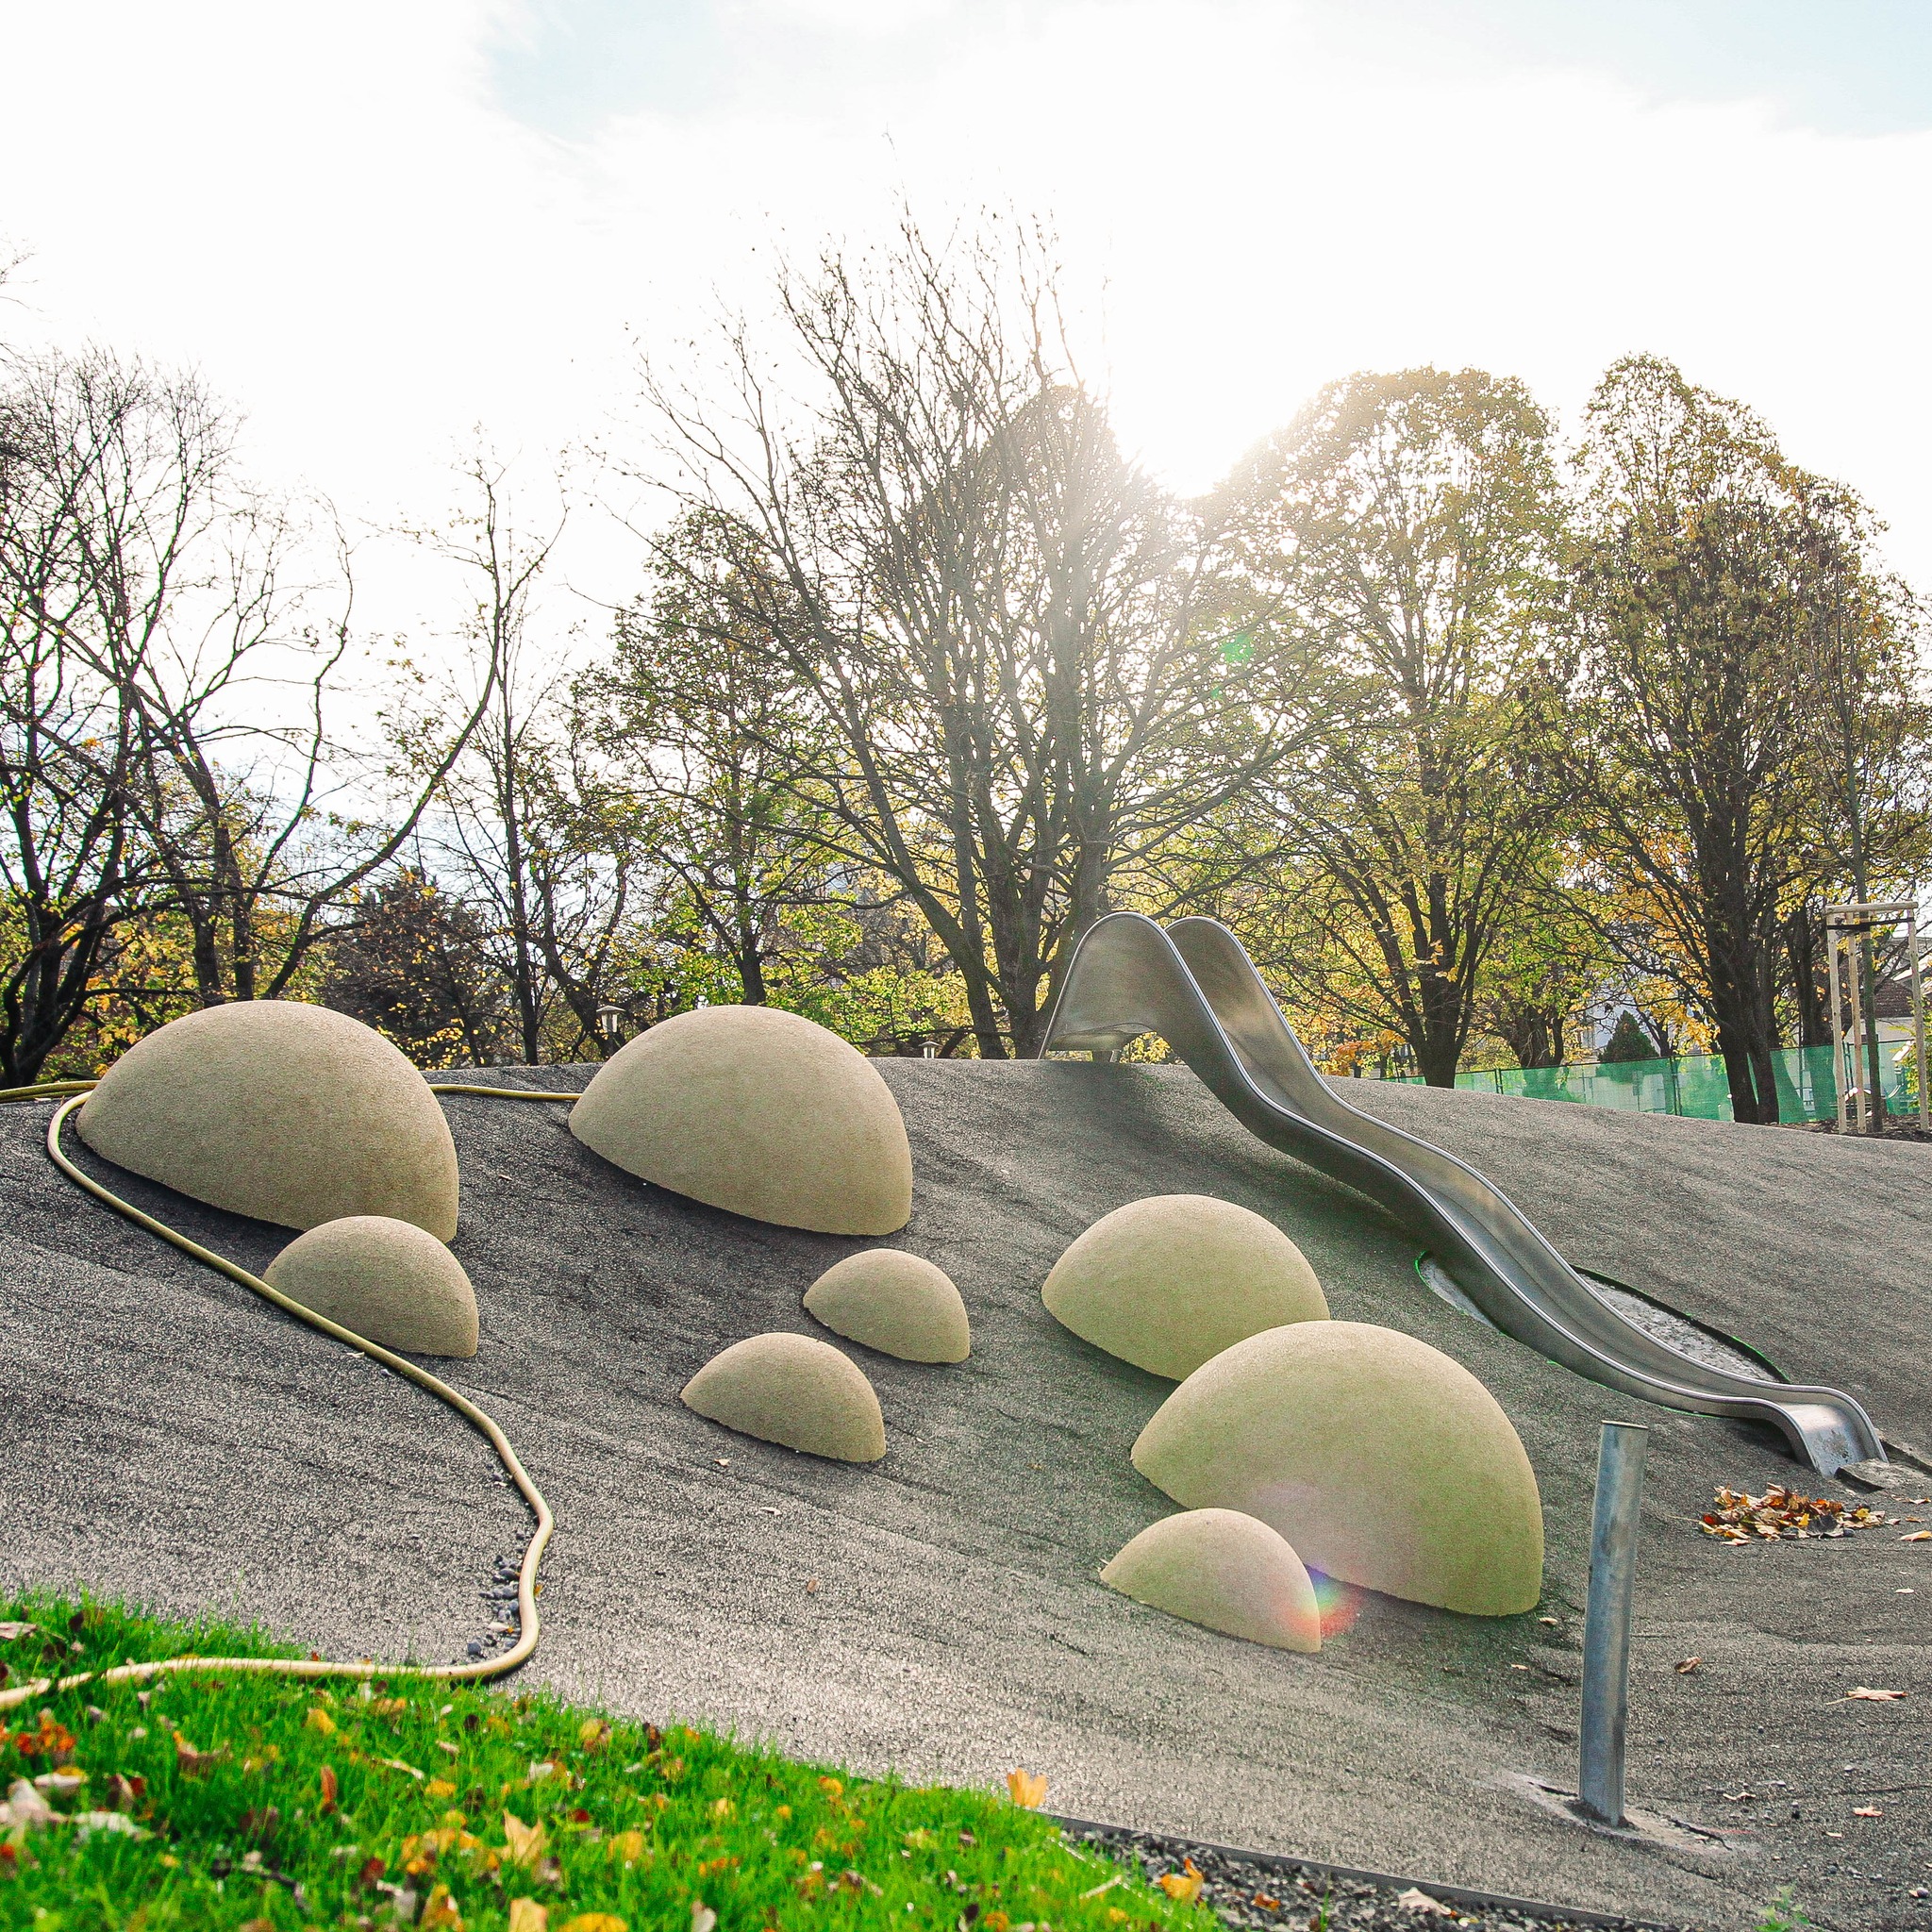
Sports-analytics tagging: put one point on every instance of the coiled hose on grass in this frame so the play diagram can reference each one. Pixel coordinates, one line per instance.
(72, 1094)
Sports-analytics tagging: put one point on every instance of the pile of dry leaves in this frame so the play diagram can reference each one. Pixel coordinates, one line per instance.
(1782, 1514)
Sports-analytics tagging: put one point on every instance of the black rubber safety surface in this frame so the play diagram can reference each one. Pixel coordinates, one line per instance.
(169, 1439)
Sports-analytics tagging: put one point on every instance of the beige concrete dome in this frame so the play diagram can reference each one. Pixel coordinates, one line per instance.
(386, 1279)
(282, 1111)
(1225, 1570)
(1382, 1461)
(1169, 1282)
(758, 1112)
(894, 1302)
(795, 1391)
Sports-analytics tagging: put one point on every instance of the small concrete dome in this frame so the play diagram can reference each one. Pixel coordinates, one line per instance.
(758, 1112)
(282, 1111)
(1382, 1461)
(1225, 1570)
(1169, 1282)
(792, 1389)
(895, 1302)
(386, 1279)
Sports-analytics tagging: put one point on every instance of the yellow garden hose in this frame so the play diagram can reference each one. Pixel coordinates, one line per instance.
(72, 1093)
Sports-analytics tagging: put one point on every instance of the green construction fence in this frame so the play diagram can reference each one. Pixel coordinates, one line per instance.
(1694, 1084)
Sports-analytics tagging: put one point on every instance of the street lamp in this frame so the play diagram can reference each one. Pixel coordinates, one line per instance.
(610, 1024)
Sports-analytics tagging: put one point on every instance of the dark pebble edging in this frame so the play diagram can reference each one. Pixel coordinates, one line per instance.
(1313, 1894)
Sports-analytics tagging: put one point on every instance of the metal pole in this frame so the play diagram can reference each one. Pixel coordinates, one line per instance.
(1918, 1019)
(1838, 1024)
(1607, 1620)
(1856, 960)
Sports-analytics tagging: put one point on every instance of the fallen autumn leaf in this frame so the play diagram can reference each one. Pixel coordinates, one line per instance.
(1182, 1886)
(524, 1844)
(441, 1911)
(191, 1762)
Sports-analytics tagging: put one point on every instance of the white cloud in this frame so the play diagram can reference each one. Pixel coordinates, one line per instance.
(329, 213)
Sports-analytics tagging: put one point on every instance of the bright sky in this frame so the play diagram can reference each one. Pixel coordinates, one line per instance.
(378, 222)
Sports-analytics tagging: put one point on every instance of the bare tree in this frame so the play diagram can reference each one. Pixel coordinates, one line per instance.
(261, 823)
(535, 831)
(155, 633)
(89, 453)
(1001, 626)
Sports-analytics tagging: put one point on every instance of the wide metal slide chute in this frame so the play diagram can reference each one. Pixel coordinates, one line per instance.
(1194, 985)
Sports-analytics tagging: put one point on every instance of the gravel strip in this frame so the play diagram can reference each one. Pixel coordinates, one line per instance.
(1311, 1898)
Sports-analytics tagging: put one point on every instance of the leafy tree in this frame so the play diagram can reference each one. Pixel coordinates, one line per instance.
(1628, 1042)
(1692, 729)
(415, 964)
(1544, 968)
(703, 714)
(1404, 529)
(1862, 657)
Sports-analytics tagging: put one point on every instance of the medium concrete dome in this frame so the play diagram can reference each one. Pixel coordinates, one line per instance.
(1382, 1461)
(1225, 1570)
(794, 1391)
(1169, 1282)
(387, 1280)
(282, 1111)
(756, 1111)
(896, 1303)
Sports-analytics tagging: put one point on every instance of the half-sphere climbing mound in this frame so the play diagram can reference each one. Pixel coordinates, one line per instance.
(758, 1112)
(1169, 1282)
(387, 1280)
(897, 1303)
(285, 1111)
(1227, 1570)
(1381, 1461)
(794, 1391)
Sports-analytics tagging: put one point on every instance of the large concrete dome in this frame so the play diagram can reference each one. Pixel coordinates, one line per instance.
(288, 1112)
(1382, 1461)
(896, 1303)
(758, 1112)
(387, 1280)
(1223, 1570)
(1169, 1282)
(795, 1391)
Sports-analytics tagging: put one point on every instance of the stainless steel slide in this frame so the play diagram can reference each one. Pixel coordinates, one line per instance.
(1194, 985)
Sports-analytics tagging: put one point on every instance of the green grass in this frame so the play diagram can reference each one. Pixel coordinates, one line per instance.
(266, 1803)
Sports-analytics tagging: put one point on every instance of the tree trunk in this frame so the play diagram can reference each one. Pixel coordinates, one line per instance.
(1809, 991)
(1533, 1034)
(751, 962)
(1746, 1039)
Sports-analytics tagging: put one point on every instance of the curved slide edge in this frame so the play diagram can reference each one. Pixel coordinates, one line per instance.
(1194, 985)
